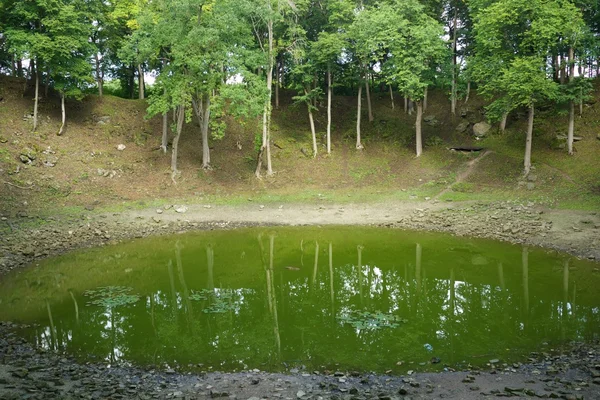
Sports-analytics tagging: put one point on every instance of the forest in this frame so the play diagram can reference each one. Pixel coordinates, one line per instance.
(209, 59)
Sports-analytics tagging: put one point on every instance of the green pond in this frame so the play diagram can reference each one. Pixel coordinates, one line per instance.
(313, 298)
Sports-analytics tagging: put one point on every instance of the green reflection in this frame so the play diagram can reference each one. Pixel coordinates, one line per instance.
(247, 299)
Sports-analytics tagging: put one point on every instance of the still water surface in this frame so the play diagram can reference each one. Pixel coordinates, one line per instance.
(346, 298)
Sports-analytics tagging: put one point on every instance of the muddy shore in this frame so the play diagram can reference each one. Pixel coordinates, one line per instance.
(26, 372)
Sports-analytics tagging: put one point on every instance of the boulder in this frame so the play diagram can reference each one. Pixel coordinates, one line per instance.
(431, 120)
(463, 126)
(481, 129)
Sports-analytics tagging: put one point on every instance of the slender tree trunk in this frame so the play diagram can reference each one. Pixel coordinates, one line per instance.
(99, 78)
(581, 102)
(563, 72)
(141, 81)
(527, 162)
(312, 127)
(329, 95)
(405, 103)
(359, 145)
(570, 132)
(64, 117)
(571, 129)
(265, 150)
(180, 120)
(46, 84)
(454, 71)
(368, 98)
(468, 91)
(556, 65)
(411, 106)
(418, 128)
(205, 126)
(165, 133)
(19, 68)
(13, 66)
(392, 97)
(36, 100)
(425, 100)
(277, 72)
(503, 121)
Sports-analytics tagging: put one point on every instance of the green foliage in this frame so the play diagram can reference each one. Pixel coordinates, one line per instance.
(111, 296)
(370, 320)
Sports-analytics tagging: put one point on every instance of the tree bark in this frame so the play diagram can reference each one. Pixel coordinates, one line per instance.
(165, 133)
(425, 99)
(392, 97)
(454, 72)
(571, 129)
(265, 150)
(503, 122)
(99, 77)
(418, 128)
(141, 81)
(277, 71)
(329, 95)
(368, 98)
(64, 117)
(405, 103)
(205, 126)
(312, 126)
(180, 120)
(468, 91)
(19, 68)
(527, 162)
(359, 145)
(36, 100)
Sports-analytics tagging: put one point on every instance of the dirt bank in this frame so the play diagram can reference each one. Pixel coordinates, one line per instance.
(28, 237)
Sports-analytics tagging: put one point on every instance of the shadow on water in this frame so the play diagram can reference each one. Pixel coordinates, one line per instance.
(280, 298)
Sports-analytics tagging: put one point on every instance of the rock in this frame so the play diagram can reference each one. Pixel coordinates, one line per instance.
(532, 177)
(104, 120)
(530, 185)
(159, 211)
(431, 120)
(463, 126)
(300, 394)
(180, 209)
(598, 137)
(121, 147)
(494, 361)
(481, 129)
(24, 159)
(50, 161)
(3, 140)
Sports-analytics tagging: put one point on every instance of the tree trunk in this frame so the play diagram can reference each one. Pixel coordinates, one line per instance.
(165, 133)
(359, 145)
(581, 102)
(141, 81)
(205, 126)
(454, 72)
(329, 94)
(503, 121)
(46, 85)
(562, 78)
(13, 66)
(19, 68)
(418, 128)
(180, 119)
(556, 65)
(571, 129)
(392, 96)
(405, 103)
(425, 100)
(99, 77)
(529, 139)
(368, 98)
(265, 150)
(468, 91)
(411, 106)
(36, 100)
(312, 127)
(64, 117)
(277, 84)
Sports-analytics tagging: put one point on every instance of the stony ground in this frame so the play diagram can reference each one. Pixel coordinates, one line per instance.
(30, 373)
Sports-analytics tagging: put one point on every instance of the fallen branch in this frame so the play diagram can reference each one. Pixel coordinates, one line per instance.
(19, 187)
